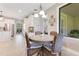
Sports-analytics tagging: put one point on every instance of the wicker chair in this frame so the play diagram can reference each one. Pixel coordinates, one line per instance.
(57, 46)
(52, 43)
(32, 48)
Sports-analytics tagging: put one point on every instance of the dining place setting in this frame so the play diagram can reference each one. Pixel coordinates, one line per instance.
(40, 44)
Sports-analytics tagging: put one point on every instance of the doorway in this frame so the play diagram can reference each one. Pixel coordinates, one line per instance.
(19, 25)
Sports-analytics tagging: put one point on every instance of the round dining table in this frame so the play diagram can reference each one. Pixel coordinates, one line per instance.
(42, 39)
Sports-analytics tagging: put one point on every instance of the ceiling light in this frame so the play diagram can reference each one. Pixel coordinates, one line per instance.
(41, 12)
(44, 16)
(36, 15)
(19, 10)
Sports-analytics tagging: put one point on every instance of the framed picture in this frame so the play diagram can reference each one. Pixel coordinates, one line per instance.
(31, 29)
(52, 20)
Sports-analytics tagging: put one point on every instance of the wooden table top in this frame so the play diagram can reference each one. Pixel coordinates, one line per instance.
(42, 38)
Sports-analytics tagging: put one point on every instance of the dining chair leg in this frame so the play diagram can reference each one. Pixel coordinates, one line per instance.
(59, 53)
(38, 52)
(28, 53)
(42, 51)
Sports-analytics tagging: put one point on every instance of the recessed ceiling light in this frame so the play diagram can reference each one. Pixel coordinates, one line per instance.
(19, 10)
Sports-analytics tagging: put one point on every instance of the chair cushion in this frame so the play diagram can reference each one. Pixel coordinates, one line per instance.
(49, 47)
(35, 45)
(58, 44)
(48, 43)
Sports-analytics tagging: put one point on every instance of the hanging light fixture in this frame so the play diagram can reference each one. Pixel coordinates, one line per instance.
(36, 13)
(42, 12)
(1, 16)
(44, 16)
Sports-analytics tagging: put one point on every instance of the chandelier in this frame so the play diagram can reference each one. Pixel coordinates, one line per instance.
(40, 13)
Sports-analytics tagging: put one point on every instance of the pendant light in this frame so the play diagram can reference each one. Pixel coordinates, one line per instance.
(42, 12)
(36, 13)
(39, 13)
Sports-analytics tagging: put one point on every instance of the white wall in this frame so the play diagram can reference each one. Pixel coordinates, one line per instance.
(9, 22)
(28, 22)
(70, 47)
(54, 10)
(9, 29)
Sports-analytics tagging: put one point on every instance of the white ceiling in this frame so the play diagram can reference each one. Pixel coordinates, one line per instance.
(72, 9)
(12, 9)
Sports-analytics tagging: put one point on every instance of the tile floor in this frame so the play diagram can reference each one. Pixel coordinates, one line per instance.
(14, 47)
